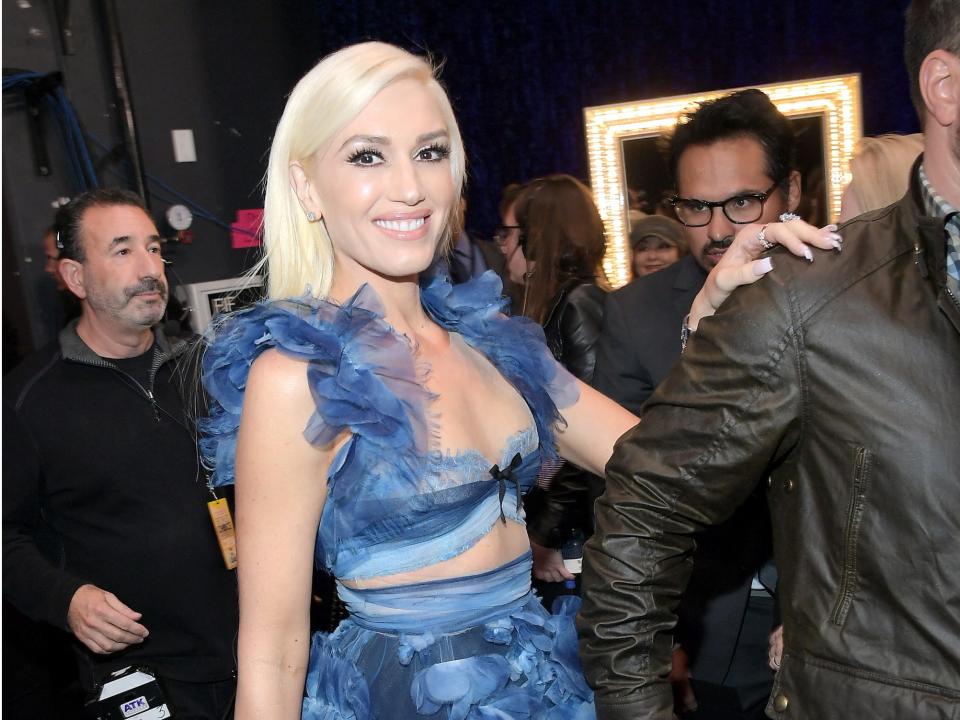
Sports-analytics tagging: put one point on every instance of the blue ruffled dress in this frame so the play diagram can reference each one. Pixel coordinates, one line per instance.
(474, 647)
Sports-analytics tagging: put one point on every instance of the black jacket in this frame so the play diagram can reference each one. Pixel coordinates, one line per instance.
(102, 485)
(572, 328)
(640, 341)
(840, 380)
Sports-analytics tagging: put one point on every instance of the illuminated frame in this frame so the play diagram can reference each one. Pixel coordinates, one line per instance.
(835, 99)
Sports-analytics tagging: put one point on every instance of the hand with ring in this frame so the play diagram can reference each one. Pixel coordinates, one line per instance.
(743, 262)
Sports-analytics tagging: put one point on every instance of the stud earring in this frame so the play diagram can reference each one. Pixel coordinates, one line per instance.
(311, 216)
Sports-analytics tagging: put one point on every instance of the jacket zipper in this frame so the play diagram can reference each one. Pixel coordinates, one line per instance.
(159, 358)
(952, 297)
(850, 537)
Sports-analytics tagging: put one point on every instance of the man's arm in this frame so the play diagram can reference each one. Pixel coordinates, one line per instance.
(729, 409)
(31, 581)
(619, 374)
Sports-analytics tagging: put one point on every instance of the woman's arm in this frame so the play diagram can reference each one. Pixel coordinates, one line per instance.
(281, 486)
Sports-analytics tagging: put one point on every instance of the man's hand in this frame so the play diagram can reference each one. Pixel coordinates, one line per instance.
(548, 564)
(776, 648)
(683, 698)
(103, 623)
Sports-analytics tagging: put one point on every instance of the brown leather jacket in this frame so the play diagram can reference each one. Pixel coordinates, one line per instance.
(841, 381)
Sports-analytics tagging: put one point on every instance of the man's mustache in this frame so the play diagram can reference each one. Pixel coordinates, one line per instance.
(721, 244)
(146, 285)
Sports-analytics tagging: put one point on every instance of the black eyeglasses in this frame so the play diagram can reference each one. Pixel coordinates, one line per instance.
(739, 209)
(500, 234)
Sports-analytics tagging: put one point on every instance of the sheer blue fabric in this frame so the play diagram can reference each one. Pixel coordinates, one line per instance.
(478, 646)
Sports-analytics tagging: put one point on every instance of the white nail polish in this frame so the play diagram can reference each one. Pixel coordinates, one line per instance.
(763, 266)
(808, 256)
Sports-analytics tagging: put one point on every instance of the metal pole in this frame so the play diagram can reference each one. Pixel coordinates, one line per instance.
(123, 97)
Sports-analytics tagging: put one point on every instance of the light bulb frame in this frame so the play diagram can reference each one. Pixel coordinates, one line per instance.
(835, 99)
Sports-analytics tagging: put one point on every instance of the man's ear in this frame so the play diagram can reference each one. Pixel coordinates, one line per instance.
(793, 191)
(305, 190)
(72, 273)
(940, 87)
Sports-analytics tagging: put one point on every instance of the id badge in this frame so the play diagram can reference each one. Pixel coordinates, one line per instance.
(223, 527)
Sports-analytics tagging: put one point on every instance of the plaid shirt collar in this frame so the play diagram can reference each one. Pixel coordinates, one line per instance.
(936, 206)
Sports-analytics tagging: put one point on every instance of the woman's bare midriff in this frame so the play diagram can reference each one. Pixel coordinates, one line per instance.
(503, 543)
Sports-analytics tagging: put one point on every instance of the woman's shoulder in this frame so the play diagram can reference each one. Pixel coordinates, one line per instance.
(361, 375)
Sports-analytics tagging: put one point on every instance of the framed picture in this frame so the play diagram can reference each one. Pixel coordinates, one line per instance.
(206, 300)
(629, 175)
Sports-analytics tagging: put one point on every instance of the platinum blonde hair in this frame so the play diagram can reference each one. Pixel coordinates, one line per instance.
(298, 254)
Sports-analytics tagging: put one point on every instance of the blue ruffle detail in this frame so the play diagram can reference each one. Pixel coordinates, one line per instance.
(515, 345)
(539, 677)
(362, 375)
(336, 690)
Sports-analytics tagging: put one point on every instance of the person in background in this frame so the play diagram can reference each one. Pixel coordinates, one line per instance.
(106, 530)
(879, 173)
(656, 242)
(732, 162)
(563, 237)
(508, 238)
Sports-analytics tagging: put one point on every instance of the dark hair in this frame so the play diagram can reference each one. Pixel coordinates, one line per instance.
(509, 196)
(930, 25)
(745, 113)
(67, 224)
(564, 236)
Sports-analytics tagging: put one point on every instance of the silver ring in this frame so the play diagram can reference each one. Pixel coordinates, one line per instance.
(788, 216)
(762, 239)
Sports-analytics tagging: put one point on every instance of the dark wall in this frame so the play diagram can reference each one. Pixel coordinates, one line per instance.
(519, 75)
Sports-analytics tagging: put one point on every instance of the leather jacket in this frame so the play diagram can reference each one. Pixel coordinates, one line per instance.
(572, 329)
(840, 380)
(573, 326)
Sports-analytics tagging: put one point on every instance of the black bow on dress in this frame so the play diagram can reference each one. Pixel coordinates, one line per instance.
(505, 475)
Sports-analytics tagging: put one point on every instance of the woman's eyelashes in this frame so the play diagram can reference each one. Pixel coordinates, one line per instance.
(366, 157)
(370, 157)
(434, 153)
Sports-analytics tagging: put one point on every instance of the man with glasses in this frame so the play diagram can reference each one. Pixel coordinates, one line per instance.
(732, 163)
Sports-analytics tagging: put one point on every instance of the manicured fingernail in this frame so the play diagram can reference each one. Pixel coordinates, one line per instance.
(838, 246)
(807, 255)
(835, 236)
(763, 266)
(831, 227)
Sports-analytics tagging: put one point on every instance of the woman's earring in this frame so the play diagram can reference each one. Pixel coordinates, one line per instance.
(311, 216)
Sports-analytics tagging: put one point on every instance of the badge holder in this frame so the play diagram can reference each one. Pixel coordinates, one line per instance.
(133, 693)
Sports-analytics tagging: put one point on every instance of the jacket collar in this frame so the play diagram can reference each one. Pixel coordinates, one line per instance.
(690, 276)
(929, 245)
(73, 348)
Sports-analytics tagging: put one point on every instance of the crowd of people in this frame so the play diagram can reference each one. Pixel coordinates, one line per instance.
(756, 436)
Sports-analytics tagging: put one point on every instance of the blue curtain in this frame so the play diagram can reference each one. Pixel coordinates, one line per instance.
(520, 73)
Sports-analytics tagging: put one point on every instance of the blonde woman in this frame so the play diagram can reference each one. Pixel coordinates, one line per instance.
(387, 430)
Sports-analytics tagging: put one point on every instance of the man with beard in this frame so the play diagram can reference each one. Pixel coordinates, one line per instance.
(840, 381)
(732, 161)
(106, 532)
